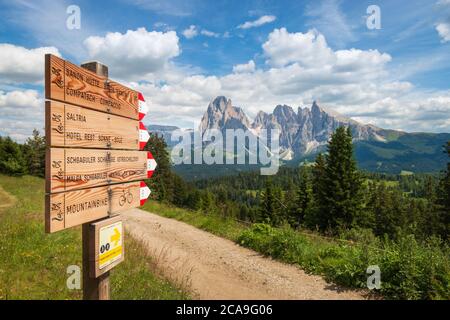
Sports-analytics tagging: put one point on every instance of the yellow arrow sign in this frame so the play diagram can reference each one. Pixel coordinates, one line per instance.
(116, 236)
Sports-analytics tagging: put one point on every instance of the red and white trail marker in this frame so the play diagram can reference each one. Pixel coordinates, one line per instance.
(144, 193)
(143, 107)
(151, 165)
(143, 136)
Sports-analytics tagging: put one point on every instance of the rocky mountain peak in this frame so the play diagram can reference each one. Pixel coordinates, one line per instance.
(221, 114)
(300, 133)
(284, 112)
(220, 103)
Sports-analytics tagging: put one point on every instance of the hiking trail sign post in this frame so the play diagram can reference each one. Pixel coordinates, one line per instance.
(94, 163)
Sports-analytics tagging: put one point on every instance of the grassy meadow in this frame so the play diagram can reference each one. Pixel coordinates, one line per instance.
(33, 264)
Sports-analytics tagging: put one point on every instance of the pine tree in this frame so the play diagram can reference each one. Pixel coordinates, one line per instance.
(303, 197)
(319, 217)
(244, 213)
(34, 152)
(343, 198)
(161, 182)
(12, 159)
(267, 206)
(443, 201)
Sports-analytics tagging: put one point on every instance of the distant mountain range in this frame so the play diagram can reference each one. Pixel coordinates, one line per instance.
(306, 132)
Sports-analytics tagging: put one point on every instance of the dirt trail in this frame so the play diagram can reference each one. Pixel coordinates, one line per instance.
(217, 268)
(6, 200)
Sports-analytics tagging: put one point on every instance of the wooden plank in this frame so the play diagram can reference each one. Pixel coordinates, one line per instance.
(71, 169)
(70, 83)
(70, 209)
(77, 127)
(107, 249)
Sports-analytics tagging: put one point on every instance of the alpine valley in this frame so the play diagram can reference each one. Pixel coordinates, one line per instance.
(305, 133)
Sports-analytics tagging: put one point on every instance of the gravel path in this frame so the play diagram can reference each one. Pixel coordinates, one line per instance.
(216, 268)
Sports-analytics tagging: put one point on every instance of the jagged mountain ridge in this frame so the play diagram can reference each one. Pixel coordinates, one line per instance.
(301, 133)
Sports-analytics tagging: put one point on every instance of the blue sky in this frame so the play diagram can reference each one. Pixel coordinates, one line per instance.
(181, 54)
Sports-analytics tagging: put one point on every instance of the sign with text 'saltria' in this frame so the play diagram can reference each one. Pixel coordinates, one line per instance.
(73, 126)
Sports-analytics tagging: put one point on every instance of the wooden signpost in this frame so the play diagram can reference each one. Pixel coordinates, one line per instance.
(93, 162)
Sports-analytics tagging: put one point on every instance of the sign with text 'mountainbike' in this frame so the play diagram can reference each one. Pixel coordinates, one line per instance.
(69, 83)
(73, 126)
(73, 208)
(108, 245)
(71, 169)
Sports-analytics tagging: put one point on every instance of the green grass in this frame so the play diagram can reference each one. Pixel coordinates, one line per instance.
(409, 270)
(33, 264)
(223, 227)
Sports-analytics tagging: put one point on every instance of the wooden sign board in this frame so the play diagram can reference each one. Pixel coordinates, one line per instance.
(71, 126)
(69, 83)
(71, 169)
(69, 209)
(107, 246)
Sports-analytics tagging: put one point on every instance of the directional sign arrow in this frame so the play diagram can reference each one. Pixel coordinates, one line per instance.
(151, 165)
(145, 193)
(143, 107)
(116, 236)
(143, 136)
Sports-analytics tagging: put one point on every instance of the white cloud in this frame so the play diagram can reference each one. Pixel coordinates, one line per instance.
(257, 23)
(22, 65)
(310, 50)
(190, 32)
(21, 112)
(209, 33)
(134, 53)
(244, 68)
(444, 31)
(194, 31)
(418, 113)
(303, 68)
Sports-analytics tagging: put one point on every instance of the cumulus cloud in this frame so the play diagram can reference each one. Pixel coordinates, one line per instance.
(302, 68)
(444, 31)
(190, 32)
(134, 53)
(420, 113)
(244, 68)
(282, 48)
(311, 49)
(22, 65)
(21, 112)
(257, 23)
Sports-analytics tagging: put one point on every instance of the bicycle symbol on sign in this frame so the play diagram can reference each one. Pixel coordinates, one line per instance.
(125, 197)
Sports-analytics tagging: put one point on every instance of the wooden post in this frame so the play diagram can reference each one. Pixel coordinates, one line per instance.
(93, 288)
